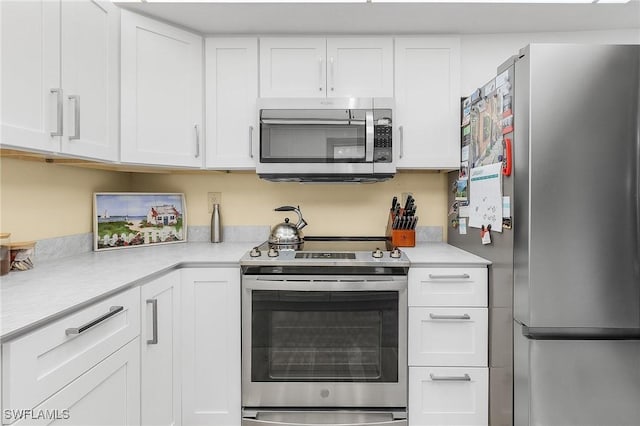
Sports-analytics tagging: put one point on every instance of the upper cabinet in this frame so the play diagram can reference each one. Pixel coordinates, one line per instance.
(326, 67)
(162, 92)
(60, 67)
(427, 97)
(231, 75)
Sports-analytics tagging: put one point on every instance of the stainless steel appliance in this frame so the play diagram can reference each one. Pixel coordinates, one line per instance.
(326, 140)
(565, 280)
(324, 334)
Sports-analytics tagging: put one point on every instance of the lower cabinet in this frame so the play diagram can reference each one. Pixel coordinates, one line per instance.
(160, 352)
(211, 346)
(77, 363)
(106, 395)
(448, 396)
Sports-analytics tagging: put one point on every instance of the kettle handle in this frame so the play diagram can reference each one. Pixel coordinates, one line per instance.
(285, 209)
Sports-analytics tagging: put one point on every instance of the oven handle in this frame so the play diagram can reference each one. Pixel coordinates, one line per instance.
(315, 418)
(324, 285)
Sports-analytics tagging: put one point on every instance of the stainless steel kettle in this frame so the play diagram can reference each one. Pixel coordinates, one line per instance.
(285, 235)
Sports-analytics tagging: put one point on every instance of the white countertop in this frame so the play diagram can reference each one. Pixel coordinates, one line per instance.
(32, 298)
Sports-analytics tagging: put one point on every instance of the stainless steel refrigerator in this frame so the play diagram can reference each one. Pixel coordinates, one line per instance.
(565, 280)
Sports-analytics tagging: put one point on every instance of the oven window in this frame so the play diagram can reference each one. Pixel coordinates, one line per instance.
(349, 336)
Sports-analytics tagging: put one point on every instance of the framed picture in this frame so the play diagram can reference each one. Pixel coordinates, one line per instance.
(138, 219)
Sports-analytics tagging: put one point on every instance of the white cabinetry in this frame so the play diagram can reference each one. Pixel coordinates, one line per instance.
(60, 68)
(68, 364)
(326, 67)
(231, 93)
(161, 352)
(161, 93)
(448, 346)
(211, 344)
(427, 94)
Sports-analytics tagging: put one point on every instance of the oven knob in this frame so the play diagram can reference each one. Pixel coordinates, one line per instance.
(273, 252)
(255, 252)
(395, 253)
(377, 253)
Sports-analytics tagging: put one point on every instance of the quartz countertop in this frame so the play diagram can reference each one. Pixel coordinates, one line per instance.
(442, 255)
(29, 299)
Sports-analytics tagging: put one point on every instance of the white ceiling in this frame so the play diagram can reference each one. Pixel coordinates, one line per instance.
(395, 18)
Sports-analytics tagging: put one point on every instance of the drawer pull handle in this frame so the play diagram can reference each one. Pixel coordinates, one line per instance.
(154, 338)
(465, 378)
(112, 311)
(439, 277)
(449, 317)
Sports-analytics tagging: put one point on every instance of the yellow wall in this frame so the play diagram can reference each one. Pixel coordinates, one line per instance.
(345, 209)
(43, 200)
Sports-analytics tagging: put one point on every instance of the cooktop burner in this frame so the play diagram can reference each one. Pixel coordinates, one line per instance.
(349, 255)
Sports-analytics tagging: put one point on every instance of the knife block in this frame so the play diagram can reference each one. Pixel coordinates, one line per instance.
(400, 237)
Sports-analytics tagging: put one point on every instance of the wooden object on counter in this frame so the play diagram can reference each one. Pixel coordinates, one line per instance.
(400, 237)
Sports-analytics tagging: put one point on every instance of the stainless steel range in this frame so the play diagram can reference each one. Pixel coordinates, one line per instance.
(324, 334)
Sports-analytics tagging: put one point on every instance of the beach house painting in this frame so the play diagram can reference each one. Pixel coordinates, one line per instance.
(135, 219)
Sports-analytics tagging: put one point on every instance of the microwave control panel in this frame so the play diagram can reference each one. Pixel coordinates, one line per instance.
(382, 145)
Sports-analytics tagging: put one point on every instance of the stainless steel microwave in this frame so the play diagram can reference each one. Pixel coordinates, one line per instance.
(326, 140)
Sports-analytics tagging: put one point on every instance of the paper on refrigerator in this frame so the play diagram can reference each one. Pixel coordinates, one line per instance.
(485, 197)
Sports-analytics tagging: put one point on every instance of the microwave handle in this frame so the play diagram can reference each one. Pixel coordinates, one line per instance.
(369, 134)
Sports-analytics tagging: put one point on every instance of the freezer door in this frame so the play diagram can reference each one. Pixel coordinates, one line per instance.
(576, 382)
(576, 186)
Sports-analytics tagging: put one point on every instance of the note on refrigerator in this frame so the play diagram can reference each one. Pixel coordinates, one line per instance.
(485, 201)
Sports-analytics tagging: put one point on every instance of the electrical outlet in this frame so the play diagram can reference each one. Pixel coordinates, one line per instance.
(213, 198)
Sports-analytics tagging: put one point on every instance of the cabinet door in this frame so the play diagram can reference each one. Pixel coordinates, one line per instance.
(30, 71)
(448, 336)
(232, 90)
(211, 338)
(360, 67)
(448, 396)
(161, 93)
(90, 69)
(160, 352)
(427, 93)
(106, 395)
(293, 67)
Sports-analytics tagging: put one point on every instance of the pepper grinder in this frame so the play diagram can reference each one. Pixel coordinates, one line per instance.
(216, 235)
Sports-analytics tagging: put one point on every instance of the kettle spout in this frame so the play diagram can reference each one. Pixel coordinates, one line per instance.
(301, 223)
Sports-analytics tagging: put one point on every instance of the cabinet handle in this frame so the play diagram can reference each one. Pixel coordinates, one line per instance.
(251, 141)
(465, 378)
(78, 330)
(449, 317)
(440, 277)
(320, 73)
(195, 126)
(401, 130)
(332, 74)
(58, 92)
(154, 306)
(76, 117)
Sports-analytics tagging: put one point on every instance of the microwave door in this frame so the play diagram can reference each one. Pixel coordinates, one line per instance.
(316, 137)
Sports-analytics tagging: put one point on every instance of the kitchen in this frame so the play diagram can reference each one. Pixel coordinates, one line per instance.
(31, 184)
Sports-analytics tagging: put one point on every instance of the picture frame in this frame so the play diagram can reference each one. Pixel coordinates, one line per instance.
(138, 219)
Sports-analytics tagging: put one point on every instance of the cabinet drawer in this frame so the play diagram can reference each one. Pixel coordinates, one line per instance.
(448, 336)
(448, 396)
(448, 286)
(37, 365)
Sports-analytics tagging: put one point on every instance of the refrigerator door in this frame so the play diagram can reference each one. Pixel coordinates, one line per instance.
(576, 256)
(575, 382)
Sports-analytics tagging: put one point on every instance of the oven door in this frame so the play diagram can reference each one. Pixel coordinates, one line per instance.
(324, 341)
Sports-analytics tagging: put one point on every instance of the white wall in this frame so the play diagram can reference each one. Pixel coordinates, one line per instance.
(481, 54)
